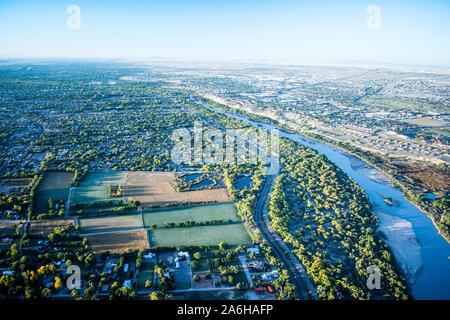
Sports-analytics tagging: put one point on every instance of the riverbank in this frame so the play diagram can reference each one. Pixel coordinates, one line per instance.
(348, 148)
(433, 282)
(395, 182)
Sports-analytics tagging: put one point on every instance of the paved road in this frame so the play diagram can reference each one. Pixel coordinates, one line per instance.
(305, 289)
(66, 214)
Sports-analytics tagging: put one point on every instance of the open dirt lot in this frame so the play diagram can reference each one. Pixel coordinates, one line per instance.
(111, 223)
(8, 229)
(44, 228)
(118, 242)
(156, 189)
(427, 122)
(56, 180)
(9, 185)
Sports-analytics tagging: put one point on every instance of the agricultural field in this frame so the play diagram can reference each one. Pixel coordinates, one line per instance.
(119, 242)
(9, 185)
(94, 187)
(199, 214)
(111, 224)
(232, 234)
(55, 185)
(103, 178)
(157, 189)
(8, 229)
(427, 122)
(44, 228)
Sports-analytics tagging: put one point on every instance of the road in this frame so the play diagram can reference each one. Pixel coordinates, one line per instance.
(66, 214)
(305, 289)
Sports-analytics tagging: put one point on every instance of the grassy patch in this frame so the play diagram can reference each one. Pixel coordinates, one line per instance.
(199, 214)
(55, 185)
(233, 234)
(44, 195)
(94, 187)
(146, 272)
(89, 194)
(102, 178)
(201, 265)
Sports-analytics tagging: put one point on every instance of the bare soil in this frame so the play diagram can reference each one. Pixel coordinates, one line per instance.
(44, 228)
(156, 189)
(118, 242)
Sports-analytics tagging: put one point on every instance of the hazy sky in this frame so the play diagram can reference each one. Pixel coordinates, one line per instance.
(412, 32)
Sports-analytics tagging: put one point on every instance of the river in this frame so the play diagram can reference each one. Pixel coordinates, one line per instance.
(417, 246)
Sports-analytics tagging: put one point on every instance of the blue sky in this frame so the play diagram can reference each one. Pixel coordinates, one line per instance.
(412, 32)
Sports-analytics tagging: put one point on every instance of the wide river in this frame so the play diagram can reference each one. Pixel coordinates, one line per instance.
(422, 253)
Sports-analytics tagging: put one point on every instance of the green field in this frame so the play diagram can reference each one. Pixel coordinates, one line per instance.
(44, 195)
(94, 187)
(54, 185)
(102, 178)
(198, 214)
(145, 273)
(232, 234)
(89, 194)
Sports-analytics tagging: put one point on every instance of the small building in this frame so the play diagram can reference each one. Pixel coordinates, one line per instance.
(127, 283)
(254, 250)
(125, 267)
(149, 256)
(271, 289)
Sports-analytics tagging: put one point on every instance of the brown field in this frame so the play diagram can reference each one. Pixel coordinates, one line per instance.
(7, 229)
(426, 122)
(56, 180)
(44, 228)
(429, 178)
(118, 242)
(14, 182)
(156, 189)
(111, 223)
(6, 186)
